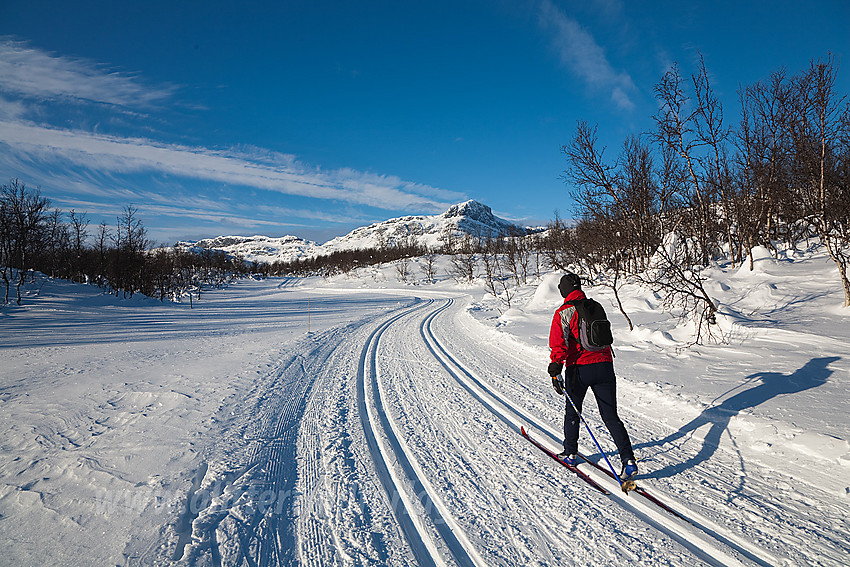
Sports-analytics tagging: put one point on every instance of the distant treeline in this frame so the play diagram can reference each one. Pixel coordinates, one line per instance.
(121, 259)
(34, 237)
(504, 260)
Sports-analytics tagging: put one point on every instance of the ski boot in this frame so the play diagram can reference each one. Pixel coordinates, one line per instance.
(629, 470)
(569, 458)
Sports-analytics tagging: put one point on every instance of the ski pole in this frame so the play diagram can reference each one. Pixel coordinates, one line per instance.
(624, 485)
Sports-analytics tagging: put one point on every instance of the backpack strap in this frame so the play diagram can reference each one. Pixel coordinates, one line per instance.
(565, 320)
(567, 316)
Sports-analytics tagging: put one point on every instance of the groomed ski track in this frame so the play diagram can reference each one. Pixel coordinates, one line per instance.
(391, 450)
(514, 418)
(408, 452)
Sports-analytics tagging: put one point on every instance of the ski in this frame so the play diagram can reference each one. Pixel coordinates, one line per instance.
(580, 473)
(637, 489)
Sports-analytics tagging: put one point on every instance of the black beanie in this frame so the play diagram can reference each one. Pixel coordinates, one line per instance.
(569, 282)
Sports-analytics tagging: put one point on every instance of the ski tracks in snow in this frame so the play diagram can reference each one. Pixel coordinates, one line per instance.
(460, 492)
(281, 483)
(759, 515)
(239, 511)
(393, 440)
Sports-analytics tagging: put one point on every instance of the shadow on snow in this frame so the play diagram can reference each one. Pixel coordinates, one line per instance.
(769, 385)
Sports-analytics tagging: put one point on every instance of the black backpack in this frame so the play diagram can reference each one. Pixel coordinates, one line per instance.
(593, 325)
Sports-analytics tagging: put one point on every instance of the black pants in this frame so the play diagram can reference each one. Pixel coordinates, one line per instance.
(600, 378)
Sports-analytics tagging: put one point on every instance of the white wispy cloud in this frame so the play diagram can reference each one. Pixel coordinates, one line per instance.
(188, 216)
(583, 55)
(90, 171)
(11, 109)
(116, 155)
(33, 73)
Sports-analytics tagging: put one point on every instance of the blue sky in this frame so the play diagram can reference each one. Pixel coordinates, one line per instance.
(312, 118)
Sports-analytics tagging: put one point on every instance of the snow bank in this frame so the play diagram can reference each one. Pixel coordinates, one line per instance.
(546, 297)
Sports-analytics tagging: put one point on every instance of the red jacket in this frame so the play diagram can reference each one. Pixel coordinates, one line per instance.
(563, 344)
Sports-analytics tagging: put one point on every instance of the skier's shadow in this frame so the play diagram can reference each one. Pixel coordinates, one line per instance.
(771, 384)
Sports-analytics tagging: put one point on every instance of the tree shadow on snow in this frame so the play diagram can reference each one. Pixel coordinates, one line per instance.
(770, 385)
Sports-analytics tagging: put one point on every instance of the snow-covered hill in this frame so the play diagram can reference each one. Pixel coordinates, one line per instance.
(258, 248)
(470, 217)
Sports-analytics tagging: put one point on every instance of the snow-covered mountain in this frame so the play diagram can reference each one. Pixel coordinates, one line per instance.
(258, 248)
(470, 217)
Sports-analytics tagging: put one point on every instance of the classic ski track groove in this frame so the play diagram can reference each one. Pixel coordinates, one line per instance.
(384, 448)
(515, 417)
(338, 522)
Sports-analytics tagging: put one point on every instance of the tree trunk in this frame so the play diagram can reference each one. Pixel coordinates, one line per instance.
(622, 309)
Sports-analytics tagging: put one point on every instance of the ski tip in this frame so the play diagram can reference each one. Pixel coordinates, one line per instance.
(522, 429)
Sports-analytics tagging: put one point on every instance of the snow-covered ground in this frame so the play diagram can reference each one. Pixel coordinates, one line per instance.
(361, 421)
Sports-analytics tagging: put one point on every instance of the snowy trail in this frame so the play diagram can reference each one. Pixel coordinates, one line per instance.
(515, 417)
(270, 461)
(389, 435)
(443, 443)
(469, 465)
(251, 500)
(376, 415)
(339, 515)
(761, 514)
(421, 543)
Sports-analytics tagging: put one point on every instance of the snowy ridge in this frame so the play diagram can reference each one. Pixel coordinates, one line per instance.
(258, 248)
(470, 217)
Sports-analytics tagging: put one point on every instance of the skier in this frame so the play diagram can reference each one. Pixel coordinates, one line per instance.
(585, 369)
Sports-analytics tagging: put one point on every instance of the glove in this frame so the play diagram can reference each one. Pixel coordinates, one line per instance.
(558, 384)
(555, 368)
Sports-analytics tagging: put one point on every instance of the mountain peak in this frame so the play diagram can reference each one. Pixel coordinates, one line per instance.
(470, 208)
(471, 217)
